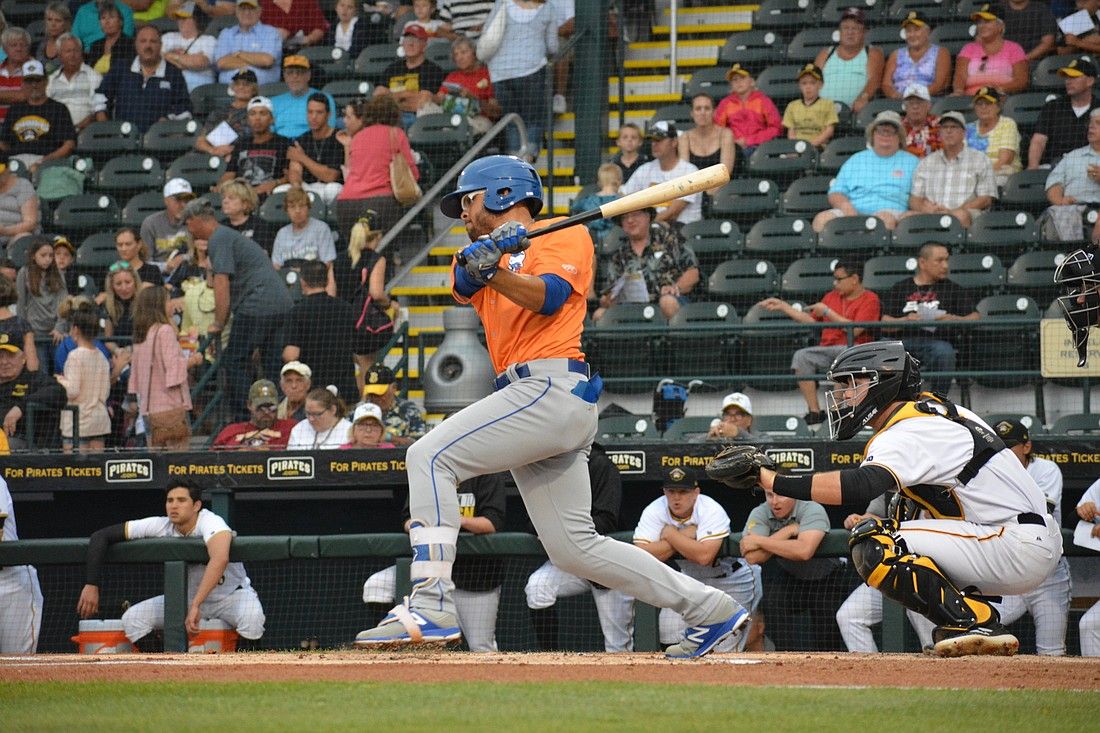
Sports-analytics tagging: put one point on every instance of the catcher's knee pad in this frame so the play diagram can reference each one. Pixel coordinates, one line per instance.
(882, 559)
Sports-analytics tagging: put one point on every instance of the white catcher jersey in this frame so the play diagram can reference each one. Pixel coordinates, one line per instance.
(710, 521)
(208, 525)
(926, 453)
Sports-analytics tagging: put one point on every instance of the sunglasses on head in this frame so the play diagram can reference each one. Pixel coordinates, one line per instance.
(120, 265)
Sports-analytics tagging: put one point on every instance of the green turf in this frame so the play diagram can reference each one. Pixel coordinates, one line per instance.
(590, 706)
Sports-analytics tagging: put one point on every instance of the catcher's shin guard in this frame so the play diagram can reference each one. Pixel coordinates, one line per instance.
(884, 562)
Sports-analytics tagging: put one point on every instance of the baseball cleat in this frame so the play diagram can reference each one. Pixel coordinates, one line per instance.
(404, 626)
(700, 640)
(992, 640)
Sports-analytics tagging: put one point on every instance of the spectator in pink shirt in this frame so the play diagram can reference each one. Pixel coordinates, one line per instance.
(990, 60)
(750, 114)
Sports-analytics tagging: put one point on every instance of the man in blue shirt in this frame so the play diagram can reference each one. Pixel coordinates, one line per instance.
(146, 90)
(249, 44)
(290, 106)
(86, 22)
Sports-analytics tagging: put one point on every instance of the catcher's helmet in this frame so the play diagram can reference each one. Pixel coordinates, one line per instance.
(893, 375)
(1080, 299)
(506, 181)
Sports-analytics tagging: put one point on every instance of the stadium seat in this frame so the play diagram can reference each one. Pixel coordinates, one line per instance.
(333, 62)
(201, 169)
(952, 36)
(140, 206)
(1033, 273)
(293, 280)
(1024, 108)
(932, 9)
(1045, 77)
(743, 282)
(784, 15)
(219, 24)
(1033, 424)
(273, 89)
(746, 199)
(705, 354)
(845, 235)
(874, 12)
(207, 98)
(767, 351)
(168, 139)
(19, 168)
(612, 240)
(956, 103)
(374, 59)
(129, 174)
(753, 47)
(87, 212)
(994, 347)
(837, 151)
(345, 91)
(21, 12)
(17, 250)
(78, 163)
(978, 271)
(782, 159)
(781, 426)
(808, 279)
(95, 254)
(780, 239)
(809, 41)
(872, 108)
(1025, 191)
(439, 53)
(625, 355)
(215, 200)
(691, 429)
(713, 240)
(779, 82)
(443, 138)
(806, 196)
(103, 140)
(708, 80)
(1083, 424)
(1010, 232)
(678, 113)
(888, 37)
(914, 231)
(883, 272)
(618, 428)
(272, 211)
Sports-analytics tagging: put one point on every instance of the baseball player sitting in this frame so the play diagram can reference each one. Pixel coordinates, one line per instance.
(549, 583)
(477, 580)
(218, 589)
(1048, 604)
(1088, 509)
(689, 527)
(989, 533)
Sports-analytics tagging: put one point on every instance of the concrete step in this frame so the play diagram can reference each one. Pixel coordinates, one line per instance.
(564, 160)
(702, 21)
(425, 280)
(565, 125)
(658, 54)
(648, 89)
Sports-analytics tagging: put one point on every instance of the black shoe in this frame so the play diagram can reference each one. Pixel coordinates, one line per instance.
(814, 418)
(992, 639)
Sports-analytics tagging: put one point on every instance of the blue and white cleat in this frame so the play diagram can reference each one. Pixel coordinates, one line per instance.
(404, 626)
(701, 640)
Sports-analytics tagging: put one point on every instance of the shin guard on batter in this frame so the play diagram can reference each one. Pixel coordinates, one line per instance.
(884, 562)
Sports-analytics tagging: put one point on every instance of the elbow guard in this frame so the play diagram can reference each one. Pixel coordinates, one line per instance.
(465, 285)
(860, 485)
(557, 290)
(100, 540)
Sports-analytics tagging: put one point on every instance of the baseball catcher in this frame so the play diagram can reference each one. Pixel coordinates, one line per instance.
(989, 531)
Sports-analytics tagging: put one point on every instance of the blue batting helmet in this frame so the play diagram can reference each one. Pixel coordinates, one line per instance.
(506, 181)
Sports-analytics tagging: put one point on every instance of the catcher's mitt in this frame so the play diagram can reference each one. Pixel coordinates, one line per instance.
(738, 466)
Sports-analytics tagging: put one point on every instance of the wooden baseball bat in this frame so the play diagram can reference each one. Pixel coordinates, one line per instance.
(685, 185)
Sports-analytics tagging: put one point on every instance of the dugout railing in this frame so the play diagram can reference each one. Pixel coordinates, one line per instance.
(295, 606)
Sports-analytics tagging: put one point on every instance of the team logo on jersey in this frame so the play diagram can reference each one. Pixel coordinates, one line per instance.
(628, 461)
(515, 261)
(798, 460)
(571, 269)
(290, 469)
(137, 469)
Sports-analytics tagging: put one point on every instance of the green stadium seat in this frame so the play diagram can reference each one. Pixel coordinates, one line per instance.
(168, 139)
(21, 12)
(806, 196)
(201, 169)
(219, 24)
(1025, 191)
(753, 47)
(838, 150)
(127, 174)
(781, 426)
(345, 91)
(692, 429)
(808, 42)
(1010, 232)
(782, 159)
(438, 52)
(1077, 424)
(140, 206)
(273, 89)
(708, 80)
(874, 12)
(18, 250)
(872, 108)
(978, 271)
(1045, 77)
(207, 98)
(95, 254)
(713, 240)
(373, 60)
(443, 138)
(849, 235)
(625, 355)
(993, 347)
(332, 61)
(1033, 273)
(272, 211)
(914, 231)
(784, 15)
(746, 199)
(19, 168)
(767, 351)
(678, 113)
(931, 9)
(88, 212)
(1033, 424)
(888, 37)
(1025, 107)
(779, 82)
(743, 282)
(955, 103)
(781, 239)
(617, 428)
(952, 36)
(706, 354)
(104, 140)
(884, 271)
(808, 279)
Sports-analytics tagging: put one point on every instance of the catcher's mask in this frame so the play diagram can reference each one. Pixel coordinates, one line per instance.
(867, 378)
(1080, 299)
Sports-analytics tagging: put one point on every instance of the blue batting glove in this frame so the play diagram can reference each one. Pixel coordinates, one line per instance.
(482, 259)
(511, 237)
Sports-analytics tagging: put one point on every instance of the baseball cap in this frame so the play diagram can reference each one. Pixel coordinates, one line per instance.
(854, 14)
(184, 10)
(263, 392)
(810, 70)
(988, 11)
(415, 30)
(914, 17)
(179, 187)
(954, 116)
(253, 3)
(1012, 432)
(257, 102)
(9, 345)
(378, 380)
(298, 368)
(296, 60)
(989, 94)
(246, 75)
(917, 90)
(737, 70)
(1080, 66)
(33, 68)
(886, 117)
(662, 129)
(740, 400)
(367, 411)
(60, 240)
(679, 479)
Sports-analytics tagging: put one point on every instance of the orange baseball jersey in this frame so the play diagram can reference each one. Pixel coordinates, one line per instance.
(515, 334)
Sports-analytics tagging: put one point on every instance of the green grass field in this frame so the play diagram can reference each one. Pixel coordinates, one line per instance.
(324, 706)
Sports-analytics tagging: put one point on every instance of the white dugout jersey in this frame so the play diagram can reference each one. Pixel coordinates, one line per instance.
(710, 521)
(926, 453)
(208, 525)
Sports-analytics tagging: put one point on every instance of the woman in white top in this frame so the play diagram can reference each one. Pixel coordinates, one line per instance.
(188, 50)
(325, 426)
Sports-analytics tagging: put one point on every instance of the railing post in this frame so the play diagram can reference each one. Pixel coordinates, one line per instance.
(645, 627)
(175, 606)
(893, 626)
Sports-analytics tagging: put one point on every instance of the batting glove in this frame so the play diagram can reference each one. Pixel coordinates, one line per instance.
(481, 259)
(511, 237)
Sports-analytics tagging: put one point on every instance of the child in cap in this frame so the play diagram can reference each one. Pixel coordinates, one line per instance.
(811, 118)
(750, 114)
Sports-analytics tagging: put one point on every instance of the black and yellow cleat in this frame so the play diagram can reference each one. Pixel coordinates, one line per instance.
(984, 640)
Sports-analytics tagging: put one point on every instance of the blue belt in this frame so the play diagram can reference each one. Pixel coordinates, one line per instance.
(523, 371)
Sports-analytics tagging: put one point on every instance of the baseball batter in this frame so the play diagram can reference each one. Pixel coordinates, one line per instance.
(218, 589)
(20, 595)
(990, 532)
(1048, 604)
(530, 296)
